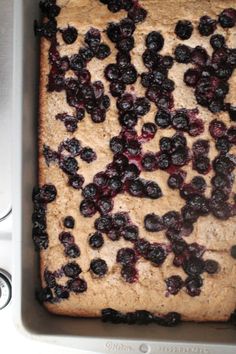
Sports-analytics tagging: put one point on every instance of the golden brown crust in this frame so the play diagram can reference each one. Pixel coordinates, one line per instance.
(218, 296)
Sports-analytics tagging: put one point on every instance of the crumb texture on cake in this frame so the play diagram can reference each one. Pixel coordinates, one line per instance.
(217, 299)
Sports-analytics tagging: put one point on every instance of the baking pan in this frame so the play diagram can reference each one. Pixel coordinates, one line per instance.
(31, 318)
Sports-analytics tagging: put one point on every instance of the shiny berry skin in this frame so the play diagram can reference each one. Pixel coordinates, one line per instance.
(105, 205)
(86, 54)
(88, 208)
(156, 254)
(69, 222)
(69, 34)
(76, 181)
(96, 240)
(217, 41)
(126, 44)
(141, 106)
(149, 130)
(113, 32)
(69, 165)
(193, 285)
(149, 162)
(174, 284)
(46, 194)
(44, 295)
(184, 29)
(129, 74)
(127, 27)
(103, 224)
(112, 72)
(88, 155)
(154, 41)
(180, 121)
(152, 190)
(153, 223)
(217, 128)
(136, 188)
(117, 88)
(93, 38)
(206, 26)
(211, 266)
(130, 233)
(191, 77)
(202, 164)
(72, 270)
(175, 181)
(123, 59)
(126, 256)
(129, 273)
(182, 54)
(72, 251)
(163, 119)
(137, 14)
(99, 267)
(227, 18)
(193, 266)
(66, 238)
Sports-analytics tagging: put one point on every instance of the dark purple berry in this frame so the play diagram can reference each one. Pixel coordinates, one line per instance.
(129, 273)
(112, 72)
(50, 279)
(126, 44)
(154, 41)
(103, 51)
(129, 75)
(105, 205)
(130, 233)
(149, 130)
(86, 54)
(191, 77)
(211, 266)
(126, 256)
(180, 121)
(88, 155)
(114, 5)
(152, 190)
(174, 284)
(149, 162)
(77, 285)
(93, 38)
(153, 223)
(165, 144)
(163, 119)
(227, 18)
(46, 194)
(104, 223)
(141, 106)
(99, 267)
(193, 266)
(44, 295)
(217, 41)
(76, 181)
(137, 14)
(156, 254)
(182, 54)
(193, 285)
(179, 157)
(73, 146)
(117, 88)
(69, 34)
(201, 164)
(175, 181)
(233, 251)
(69, 222)
(172, 219)
(88, 208)
(96, 240)
(113, 32)
(72, 270)
(199, 183)
(206, 26)
(66, 238)
(136, 188)
(184, 29)
(223, 144)
(123, 59)
(72, 251)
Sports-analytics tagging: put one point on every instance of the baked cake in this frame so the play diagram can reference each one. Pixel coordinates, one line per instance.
(134, 216)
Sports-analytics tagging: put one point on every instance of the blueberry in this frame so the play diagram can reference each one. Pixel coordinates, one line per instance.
(103, 51)
(172, 219)
(86, 54)
(96, 240)
(105, 205)
(155, 41)
(233, 251)
(99, 267)
(117, 88)
(141, 106)
(130, 233)
(193, 266)
(137, 14)
(153, 223)
(149, 130)
(114, 5)
(149, 162)
(126, 256)
(179, 157)
(152, 190)
(193, 285)
(206, 26)
(180, 121)
(174, 284)
(163, 119)
(136, 188)
(126, 44)
(88, 208)
(66, 238)
(211, 266)
(112, 72)
(50, 279)
(103, 224)
(44, 295)
(69, 165)
(77, 285)
(76, 181)
(129, 75)
(223, 144)
(123, 59)
(199, 183)
(73, 146)
(119, 220)
(69, 34)
(46, 194)
(76, 62)
(156, 254)
(93, 38)
(129, 273)
(72, 251)
(69, 222)
(184, 29)
(88, 155)
(182, 54)
(175, 181)
(227, 18)
(217, 41)
(113, 32)
(72, 270)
